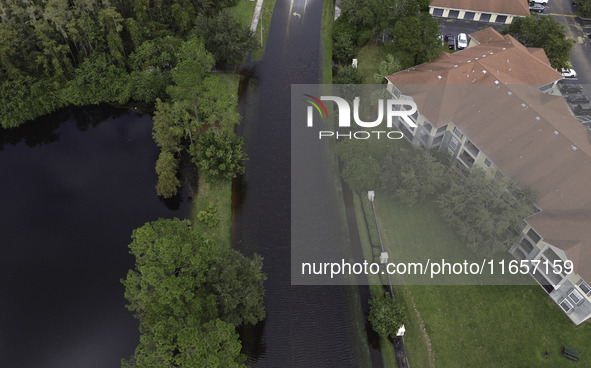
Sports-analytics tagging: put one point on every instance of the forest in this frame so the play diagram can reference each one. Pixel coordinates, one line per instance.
(57, 53)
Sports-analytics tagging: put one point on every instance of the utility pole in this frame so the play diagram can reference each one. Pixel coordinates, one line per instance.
(261, 21)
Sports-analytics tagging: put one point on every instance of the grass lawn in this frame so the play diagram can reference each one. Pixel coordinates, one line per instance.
(369, 58)
(220, 194)
(244, 10)
(327, 24)
(475, 326)
(386, 348)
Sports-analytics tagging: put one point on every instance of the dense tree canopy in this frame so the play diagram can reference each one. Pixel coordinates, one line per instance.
(88, 52)
(226, 37)
(360, 167)
(219, 155)
(386, 316)
(485, 210)
(347, 75)
(412, 174)
(418, 37)
(405, 27)
(188, 295)
(544, 32)
(583, 8)
(387, 67)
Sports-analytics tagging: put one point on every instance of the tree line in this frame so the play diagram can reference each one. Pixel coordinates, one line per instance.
(76, 52)
(483, 209)
(57, 53)
(189, 294)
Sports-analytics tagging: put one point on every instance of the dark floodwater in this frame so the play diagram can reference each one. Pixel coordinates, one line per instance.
(306, 326)
(73, 186)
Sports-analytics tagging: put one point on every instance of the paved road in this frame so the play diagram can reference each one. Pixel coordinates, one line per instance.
(563, 11)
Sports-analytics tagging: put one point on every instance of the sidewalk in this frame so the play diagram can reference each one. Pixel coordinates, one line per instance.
(256, 16)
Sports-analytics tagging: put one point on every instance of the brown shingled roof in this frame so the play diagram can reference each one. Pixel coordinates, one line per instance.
(509, 7)
(490, 91)
(487, 35)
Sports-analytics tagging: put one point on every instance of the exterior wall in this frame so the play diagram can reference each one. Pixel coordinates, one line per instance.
(558, 286)
(477, 15)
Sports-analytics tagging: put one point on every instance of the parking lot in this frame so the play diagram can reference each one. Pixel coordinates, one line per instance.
(579, 55)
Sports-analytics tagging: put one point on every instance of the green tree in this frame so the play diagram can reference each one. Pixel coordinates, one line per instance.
(171, 261)
(583, 8)
(387, 67)
(418, 37)
(196, 63)
(343, 49)
(348, 75)
(412, 174)
(98, 80)
(166, 168)
(386, 316)
(361, 173)
(485, 210)
(186, 343)
(225, 37)
(237, 283)
(187, 293)
(219, 155)
(544, 32)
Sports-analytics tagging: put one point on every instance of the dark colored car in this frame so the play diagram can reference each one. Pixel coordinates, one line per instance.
(569, 88)
(577, 98)
(451, 41)
(536, 7)
(582, 109)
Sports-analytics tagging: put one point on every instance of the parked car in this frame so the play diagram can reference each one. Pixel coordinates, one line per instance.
(536, 7)
(577, 98)
(543, 2)
(462, 41)
(569, 88)
(568, 73)
(451, 41)
(582, 108)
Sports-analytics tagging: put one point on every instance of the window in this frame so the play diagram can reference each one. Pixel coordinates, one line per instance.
(575, 296)
(485, 17)
(428, 126)
(533, 236)
(469, 15)
(453, 144)
(526, 245)
(437, 12)
(441, 129)
(565, 305)
(453, 13)
(458, 133)
(487, 162)
(437, 139)
(585, 288)
(395, 91)
(501, 19)
(415, 116)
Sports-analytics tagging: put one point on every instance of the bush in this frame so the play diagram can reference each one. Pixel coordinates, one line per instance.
(348, 75)
(386, 316)
(209, 217)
